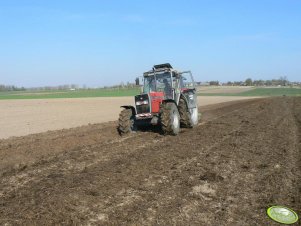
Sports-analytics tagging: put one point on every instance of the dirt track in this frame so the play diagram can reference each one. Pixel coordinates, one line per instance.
(243, 157)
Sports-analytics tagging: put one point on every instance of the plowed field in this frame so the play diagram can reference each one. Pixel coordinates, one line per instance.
(243, 157)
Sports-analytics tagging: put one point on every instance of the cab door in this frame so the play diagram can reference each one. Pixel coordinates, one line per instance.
(188, 89)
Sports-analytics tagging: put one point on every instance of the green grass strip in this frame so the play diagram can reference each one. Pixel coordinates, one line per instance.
(69, 94)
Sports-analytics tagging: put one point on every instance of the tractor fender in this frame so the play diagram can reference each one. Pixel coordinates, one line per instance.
(129, 107)
(169, 101)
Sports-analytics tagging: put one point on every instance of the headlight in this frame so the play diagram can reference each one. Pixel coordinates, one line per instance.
(142, 102)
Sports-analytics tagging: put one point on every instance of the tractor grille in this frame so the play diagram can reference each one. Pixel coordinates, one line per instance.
(143, 108)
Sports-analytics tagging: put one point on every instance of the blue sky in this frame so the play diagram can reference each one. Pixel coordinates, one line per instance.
(105, 42)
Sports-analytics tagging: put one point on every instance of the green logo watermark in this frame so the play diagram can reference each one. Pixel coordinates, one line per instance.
(282, 214)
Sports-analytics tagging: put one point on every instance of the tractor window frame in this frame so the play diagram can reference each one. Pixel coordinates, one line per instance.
(187, 76)
(154, 82)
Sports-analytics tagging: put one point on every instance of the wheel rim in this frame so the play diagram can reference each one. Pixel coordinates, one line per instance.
(176, 121)
(194, 115)
(132, 124)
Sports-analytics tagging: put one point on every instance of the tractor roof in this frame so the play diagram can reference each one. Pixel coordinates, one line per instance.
(160, 68)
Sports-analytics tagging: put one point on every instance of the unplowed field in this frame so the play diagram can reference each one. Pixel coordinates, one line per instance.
(243, 157)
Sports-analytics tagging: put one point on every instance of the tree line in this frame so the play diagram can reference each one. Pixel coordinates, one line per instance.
(122, 85)
(11, 88)
(282, 81)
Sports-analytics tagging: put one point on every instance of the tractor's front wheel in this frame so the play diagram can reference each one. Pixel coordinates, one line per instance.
(170, 119)
(126, 122)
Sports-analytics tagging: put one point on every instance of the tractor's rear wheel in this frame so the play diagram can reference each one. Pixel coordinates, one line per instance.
(170, 119)
(189, 117)
(126, 122)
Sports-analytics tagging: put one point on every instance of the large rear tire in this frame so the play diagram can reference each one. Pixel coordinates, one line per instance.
(170, 119)
(126, 122)
(189, 117)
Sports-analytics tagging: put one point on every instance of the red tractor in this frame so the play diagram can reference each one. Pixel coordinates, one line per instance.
(168, 99)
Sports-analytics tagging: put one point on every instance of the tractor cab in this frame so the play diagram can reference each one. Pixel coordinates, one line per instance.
(165, 83)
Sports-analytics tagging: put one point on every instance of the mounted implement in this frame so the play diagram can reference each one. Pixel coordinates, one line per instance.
(168, 100)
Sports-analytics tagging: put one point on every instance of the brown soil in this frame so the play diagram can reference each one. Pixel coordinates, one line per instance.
(243, 157)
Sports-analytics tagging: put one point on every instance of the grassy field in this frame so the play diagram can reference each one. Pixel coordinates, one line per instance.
(260, 92)
(69, 93)
(134, 91)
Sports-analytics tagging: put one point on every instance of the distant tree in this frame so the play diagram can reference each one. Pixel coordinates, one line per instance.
(249, 82)
(11, 88)
(283, 81)
(258, 83)
(268, 82)
(238, 83)
(214, 83)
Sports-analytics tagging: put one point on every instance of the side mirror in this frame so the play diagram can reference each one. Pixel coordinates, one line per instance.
(137, 81)
(141, 80)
